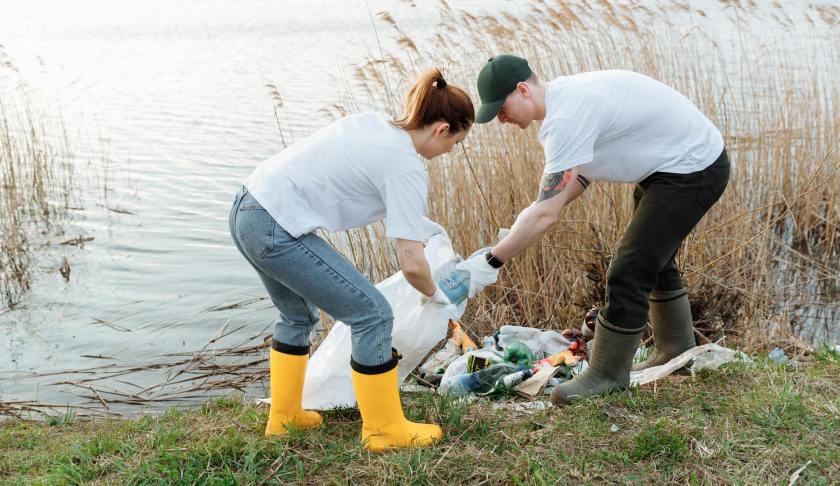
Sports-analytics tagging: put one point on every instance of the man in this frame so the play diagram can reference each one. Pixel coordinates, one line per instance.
(616, 126)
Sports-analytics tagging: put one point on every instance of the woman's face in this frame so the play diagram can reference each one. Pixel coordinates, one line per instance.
(443, 141)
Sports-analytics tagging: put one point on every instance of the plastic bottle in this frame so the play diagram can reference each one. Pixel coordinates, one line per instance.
(454, 283)
(508, 382)
(519, 353)
(464, 385)
(441, 359)
(778, 356)
(481, 382)
(488, 342)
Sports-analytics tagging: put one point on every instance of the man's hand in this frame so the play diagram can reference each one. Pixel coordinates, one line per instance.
(481, 273)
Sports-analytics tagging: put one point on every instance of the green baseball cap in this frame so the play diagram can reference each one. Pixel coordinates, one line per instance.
(497, 79)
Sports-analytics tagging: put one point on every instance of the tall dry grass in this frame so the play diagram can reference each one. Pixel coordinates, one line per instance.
(37, 181)
(761, 267)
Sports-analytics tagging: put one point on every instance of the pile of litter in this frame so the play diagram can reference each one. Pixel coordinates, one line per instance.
(516, 360)
(519, 361)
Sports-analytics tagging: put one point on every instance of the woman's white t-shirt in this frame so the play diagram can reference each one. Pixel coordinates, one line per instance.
(622, 126)
(357, 170)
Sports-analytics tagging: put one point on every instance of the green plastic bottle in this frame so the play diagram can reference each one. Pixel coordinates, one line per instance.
(519, 353)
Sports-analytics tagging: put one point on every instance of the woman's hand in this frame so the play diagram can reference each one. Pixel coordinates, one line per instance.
(438, 298)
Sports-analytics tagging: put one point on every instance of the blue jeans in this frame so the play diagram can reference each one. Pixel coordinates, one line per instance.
(304, 274)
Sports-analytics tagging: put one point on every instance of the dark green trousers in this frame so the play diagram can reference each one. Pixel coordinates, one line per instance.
(666, 209)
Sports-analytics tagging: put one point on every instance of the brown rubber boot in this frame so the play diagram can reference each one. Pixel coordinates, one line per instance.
(609, 364)
(673, 330)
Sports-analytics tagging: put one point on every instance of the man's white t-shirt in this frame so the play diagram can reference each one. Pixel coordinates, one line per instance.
(622, 126)
(355, 171)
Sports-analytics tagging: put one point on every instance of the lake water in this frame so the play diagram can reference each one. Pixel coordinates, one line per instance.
(169, 102)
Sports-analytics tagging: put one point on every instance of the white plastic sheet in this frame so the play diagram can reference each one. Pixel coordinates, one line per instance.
(418, 328)
(706, 357)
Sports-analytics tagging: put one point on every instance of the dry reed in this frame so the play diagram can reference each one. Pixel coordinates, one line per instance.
(762, 267)
(37, 181)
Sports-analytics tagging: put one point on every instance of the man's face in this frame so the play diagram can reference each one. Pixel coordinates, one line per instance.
(518, 108)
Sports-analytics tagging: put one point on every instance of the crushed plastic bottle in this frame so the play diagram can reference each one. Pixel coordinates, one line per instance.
(488, 342)
(453, 282)
(441, 359)
(778, 356)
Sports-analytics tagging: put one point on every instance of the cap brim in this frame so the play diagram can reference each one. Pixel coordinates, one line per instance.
(488, 111)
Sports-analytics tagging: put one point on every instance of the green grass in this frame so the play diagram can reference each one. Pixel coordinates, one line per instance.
(740, 424)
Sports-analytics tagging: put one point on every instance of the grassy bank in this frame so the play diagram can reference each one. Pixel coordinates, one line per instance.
(743, 423)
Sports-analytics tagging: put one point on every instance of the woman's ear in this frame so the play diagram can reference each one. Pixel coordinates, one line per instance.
(442, 130)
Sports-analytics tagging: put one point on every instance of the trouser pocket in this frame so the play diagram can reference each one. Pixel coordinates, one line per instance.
(713, 181)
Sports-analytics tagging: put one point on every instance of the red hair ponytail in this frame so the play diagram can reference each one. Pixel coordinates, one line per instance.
(432, 99)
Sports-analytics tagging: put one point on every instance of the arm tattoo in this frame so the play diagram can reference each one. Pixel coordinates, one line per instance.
(552, 184)
(407, 253)
(584, 182)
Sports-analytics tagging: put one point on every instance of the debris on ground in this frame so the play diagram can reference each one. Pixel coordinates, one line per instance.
(516, 360)
(534, 386)
(778, 356)
(588, 326)
(519, 361)
(523, 406)
(706, 357)
(412, 388)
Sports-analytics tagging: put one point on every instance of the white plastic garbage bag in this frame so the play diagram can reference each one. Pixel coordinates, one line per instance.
(418, 328)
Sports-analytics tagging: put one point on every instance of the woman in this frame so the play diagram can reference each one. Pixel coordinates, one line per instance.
(358, 170)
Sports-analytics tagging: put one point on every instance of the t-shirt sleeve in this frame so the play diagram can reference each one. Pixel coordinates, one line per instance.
(569, 139)
(405, 205)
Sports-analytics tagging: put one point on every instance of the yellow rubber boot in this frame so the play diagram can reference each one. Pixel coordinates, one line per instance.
(384, 426)
(287, 371)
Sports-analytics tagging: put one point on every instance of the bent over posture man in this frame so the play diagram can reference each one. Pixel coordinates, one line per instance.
(616, 126)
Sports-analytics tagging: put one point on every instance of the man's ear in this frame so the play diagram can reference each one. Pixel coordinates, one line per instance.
(523, 89)
(442, 130)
